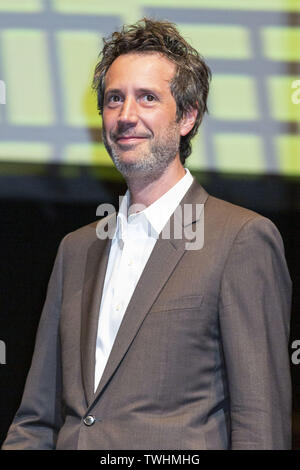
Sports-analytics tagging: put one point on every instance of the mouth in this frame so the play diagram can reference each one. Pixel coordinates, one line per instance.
(130, 139)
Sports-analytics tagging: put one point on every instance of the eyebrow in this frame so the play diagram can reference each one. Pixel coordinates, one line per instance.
(112, 90)
(140, 90)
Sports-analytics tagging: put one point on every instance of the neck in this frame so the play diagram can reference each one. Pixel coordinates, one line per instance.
(147, 189)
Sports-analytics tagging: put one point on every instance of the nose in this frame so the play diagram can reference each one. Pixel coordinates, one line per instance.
(128, 111)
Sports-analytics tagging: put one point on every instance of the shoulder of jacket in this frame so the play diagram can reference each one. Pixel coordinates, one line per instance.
(227, 210)
(231, 219)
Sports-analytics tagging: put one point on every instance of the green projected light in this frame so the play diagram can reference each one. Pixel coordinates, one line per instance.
(49, 48)
(27, 77)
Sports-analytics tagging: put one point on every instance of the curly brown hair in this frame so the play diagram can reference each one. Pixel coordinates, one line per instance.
(190, 84)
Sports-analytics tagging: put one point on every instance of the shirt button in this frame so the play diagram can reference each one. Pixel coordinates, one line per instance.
(89, 420)
(118, 307)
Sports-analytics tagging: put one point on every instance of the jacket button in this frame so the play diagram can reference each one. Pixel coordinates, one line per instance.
(89, 420)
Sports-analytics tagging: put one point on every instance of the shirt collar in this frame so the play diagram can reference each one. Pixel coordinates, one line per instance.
(161, 210)
(157, 214)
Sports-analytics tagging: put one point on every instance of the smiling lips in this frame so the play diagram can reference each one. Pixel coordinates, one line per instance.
(130, 139)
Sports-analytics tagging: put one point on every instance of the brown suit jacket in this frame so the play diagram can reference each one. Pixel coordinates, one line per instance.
(201, 357)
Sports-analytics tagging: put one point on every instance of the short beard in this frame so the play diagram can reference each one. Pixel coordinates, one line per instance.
(150, 165)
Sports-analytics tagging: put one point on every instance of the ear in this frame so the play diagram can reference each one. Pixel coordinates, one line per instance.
(188, 120)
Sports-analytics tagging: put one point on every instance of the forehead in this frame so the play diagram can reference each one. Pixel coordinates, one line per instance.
(141, 70)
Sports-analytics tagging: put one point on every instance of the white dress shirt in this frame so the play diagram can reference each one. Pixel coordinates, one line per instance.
(132, 244)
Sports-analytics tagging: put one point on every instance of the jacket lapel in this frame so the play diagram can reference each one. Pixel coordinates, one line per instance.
(96, 264)
(161, 263)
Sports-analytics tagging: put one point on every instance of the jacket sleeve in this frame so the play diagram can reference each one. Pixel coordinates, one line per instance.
(254, 311)
(39, 416)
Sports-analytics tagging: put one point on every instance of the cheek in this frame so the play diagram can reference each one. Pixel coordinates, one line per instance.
(108, 120)
(159, 121)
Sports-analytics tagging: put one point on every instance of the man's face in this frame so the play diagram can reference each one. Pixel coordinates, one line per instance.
(140, 130)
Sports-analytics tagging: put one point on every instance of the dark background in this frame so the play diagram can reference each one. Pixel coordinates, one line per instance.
(37, 210)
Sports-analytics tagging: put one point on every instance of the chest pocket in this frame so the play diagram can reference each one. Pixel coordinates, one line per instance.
(189, 302)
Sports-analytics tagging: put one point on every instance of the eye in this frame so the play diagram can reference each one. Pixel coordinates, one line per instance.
(113, 100)
(149, 98)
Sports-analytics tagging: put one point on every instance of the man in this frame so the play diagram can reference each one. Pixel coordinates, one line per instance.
(145, 341)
